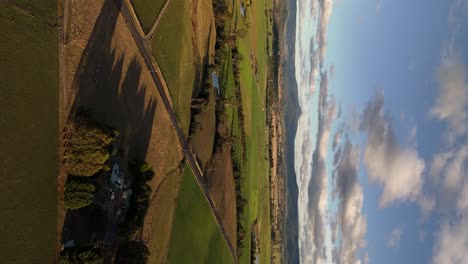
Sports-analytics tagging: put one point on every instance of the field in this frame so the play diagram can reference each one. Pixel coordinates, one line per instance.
(203, 140)
(147, 11)
(255, 168)
(29, 129)
(195, 235)
(165, 204)
(173, 51)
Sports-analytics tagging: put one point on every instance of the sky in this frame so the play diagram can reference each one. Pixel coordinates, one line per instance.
(381, 150)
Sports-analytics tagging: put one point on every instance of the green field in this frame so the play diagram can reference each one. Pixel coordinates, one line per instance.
(195, 235)
(173, 51)
(147, 11)
(255, 168)
(29, 129)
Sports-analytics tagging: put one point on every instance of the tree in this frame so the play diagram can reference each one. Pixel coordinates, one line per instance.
(81, 255)
(132, 252)
(78, 193)
(89, 146)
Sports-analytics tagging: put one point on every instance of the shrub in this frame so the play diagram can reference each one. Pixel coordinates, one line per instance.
(132, 252)
(141, 194)
(81, 255)
(78, 193)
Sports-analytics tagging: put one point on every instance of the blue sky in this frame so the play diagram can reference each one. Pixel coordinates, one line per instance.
(398, 78)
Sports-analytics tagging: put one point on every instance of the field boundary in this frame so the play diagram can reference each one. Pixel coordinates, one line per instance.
(190, 159)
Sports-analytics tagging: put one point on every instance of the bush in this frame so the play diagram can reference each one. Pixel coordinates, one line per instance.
(141, 194)
(78, 193)
(132, 252)
(90, 146)
(81, 255)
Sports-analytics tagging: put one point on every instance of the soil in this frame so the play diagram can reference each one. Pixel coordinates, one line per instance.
(106, 75)
(221, 184)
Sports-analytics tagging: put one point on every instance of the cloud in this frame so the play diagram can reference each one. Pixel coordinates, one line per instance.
(412, 135)
(317, 227)
(332, 71)
(394, 238)
(352, 223)
(378, 7)
(448, 169)
(452, 242)
(452, 100)
(326, 7)
(398, 169)
(337, 138)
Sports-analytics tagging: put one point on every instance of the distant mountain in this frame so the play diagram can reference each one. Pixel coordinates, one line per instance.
(293, 112)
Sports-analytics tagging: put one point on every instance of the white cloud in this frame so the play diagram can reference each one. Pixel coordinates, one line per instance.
(412, 134)
(398, 169)
(378, 7)
(350, 219)
(462, 203)
(315, 243)
(448, 167)
(326, 7)
(452, 243)
(394, 238)
(452, 100)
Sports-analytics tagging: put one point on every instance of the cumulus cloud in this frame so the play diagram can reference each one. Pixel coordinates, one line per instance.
(326, 7)
(318, 185)
(452, 100)
(448, 167)
(347, 189)
(452, 242)
(398, 169)
(394, 238)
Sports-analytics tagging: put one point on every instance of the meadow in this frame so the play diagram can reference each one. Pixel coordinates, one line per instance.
(255, 167)
(147, 11)
(29, 129)
(195, 235)
(173, 51)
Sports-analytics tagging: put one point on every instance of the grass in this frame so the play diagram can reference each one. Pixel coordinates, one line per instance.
(195, 235)
(147, 11)
(255, 169)
(203, 140)
(44, 10)
(172, 49)
(29, 129)
(161, 226)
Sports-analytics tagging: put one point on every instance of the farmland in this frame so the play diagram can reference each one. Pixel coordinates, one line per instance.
(194, 230)
(173, 51)
(147, 11)
(29, 129)
(255, 166)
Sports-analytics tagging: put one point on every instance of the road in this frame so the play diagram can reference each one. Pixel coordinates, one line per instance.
(190, 158)
(158, 20)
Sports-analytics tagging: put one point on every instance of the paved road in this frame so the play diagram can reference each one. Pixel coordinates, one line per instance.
(125, 10)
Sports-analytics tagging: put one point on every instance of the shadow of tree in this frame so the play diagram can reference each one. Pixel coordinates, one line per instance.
(109, 84)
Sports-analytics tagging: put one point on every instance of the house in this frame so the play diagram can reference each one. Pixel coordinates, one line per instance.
(116, 179)
(68, 244)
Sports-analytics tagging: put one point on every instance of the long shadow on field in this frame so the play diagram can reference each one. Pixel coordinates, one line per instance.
(108, 84)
